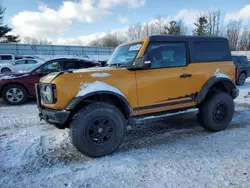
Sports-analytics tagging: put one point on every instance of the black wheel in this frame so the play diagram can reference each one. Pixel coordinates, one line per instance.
(98, 130)
(216, 112)
(241, 79)
(14, 94)
(5, 70)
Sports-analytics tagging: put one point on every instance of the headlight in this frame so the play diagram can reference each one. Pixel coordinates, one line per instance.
(47, 93)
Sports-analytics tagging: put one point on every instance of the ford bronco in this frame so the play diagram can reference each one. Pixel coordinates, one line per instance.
(148, 77)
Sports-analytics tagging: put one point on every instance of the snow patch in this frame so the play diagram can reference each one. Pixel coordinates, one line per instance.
(7, 77)
(244, 97)
(92, 69)
(87, 88)
(100, 75)
(218, 74)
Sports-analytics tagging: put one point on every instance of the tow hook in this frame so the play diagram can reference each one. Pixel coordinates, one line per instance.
(40, 115)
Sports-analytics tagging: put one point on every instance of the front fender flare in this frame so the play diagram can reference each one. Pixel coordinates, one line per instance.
(76, 100)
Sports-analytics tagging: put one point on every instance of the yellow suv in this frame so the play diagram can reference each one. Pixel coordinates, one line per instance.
(143, 78)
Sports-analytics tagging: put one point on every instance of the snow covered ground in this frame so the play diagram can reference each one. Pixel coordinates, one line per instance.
(173, 153)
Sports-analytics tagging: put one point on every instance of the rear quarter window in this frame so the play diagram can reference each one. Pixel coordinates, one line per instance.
(6, 57)
(210, 51)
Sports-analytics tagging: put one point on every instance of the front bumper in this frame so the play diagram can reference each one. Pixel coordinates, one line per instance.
(55, 117)
(58, 117)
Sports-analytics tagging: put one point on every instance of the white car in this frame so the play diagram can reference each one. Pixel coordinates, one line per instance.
(7, 58)
(18, 65)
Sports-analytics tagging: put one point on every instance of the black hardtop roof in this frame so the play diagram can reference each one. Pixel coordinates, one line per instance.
(158, 38)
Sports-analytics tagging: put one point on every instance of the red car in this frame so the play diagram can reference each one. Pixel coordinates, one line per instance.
(16, 88)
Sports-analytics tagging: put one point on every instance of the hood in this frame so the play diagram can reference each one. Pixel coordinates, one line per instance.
(95, 69)
(50, 77)
(12, 75)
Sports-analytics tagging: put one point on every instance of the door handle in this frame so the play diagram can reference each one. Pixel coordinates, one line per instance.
(185, 75)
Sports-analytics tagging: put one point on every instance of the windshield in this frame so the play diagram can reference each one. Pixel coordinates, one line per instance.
(125, 54)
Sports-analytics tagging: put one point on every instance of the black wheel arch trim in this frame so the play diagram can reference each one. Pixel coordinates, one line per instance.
(76, 100)
(210, 83)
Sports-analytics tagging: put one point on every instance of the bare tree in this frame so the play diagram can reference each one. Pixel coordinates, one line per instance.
(109, 40)
(26, 40)
(131, 32)
(213, 18)
(146, 29)
(153, 29)
(95, 42)
(45, 42)
(138, 30)
(159, 23)
(34, 41)
(244, 40)
(248, 45)
(233, 34)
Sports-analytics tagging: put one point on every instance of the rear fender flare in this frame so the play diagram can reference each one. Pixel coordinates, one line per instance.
(209, 84)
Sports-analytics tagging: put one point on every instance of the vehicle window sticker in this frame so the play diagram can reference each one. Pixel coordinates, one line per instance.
(135, 47)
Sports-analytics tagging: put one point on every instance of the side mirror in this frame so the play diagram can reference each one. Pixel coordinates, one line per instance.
(142, 62)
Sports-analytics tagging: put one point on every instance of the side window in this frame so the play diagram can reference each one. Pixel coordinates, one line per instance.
(163, 55)
(6, 57)
(31, 61)
(85, 64)
(71, 65)
(50, 67)
(208, 51)
(21, 62)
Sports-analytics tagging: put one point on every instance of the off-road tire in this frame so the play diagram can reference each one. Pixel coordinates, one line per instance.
(241, 79)
(80, 131)
(21, 88)
(212, 109)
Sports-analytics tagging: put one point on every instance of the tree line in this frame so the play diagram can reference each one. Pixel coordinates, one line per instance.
(206, 24)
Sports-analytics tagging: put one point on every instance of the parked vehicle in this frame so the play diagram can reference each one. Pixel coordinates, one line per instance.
(15, 88)
(18, 65)
(7, 58)
(144, 80)
(242, 65)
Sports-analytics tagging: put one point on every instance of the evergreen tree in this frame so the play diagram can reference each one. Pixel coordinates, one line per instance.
(4, 30)
(173, 28)
(201, 27)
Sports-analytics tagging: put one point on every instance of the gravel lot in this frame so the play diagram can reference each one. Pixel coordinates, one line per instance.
(173, 153)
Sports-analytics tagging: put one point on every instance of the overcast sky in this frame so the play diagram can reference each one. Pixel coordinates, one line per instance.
(66, 22)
